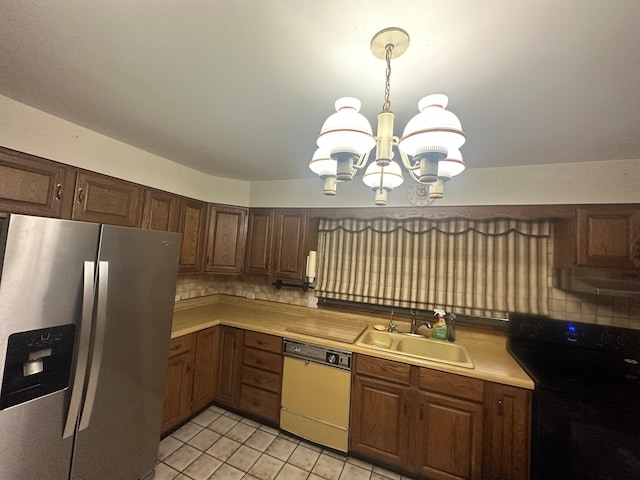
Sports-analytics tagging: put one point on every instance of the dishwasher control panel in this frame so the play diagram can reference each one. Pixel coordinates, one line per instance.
(317, 353)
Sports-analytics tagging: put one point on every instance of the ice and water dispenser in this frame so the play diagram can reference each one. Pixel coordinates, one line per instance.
(37, 363)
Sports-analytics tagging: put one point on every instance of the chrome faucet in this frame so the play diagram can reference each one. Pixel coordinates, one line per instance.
(416, 324)
(392, 326)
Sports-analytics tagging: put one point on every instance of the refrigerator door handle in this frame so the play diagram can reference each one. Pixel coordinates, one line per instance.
(98, 346)
(77, 391)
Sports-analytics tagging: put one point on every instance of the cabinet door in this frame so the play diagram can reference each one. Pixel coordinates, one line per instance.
(609, 237)
(258, 258)
(161, 211)
(290, 244)
(177, 395)
(104, 199)
(226, 239)
(448, 437)
(205, 369)
(508, 433)
(34, 186)
(228, 390)
(193, 215)
(379, 421)
(177, 399)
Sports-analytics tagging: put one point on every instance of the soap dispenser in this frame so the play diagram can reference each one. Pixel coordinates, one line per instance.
(440, 327)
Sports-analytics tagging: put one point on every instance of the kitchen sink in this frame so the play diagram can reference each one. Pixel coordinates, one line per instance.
(416, 346)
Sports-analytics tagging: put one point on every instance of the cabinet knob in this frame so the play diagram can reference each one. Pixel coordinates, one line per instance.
(500, 408)
(58, 195)
(81, 195)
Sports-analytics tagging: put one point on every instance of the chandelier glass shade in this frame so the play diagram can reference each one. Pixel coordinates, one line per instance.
(429, 147)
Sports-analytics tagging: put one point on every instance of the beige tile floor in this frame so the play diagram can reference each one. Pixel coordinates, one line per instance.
(218, 444)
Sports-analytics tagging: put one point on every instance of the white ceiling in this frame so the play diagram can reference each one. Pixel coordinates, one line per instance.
(240, 88)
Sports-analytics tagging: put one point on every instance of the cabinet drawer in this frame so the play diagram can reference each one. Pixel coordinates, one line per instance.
(263, 341)
(260, 402)
(451, 384)
(261, 379)
(387, 370)
(263, 360)
(180, 345)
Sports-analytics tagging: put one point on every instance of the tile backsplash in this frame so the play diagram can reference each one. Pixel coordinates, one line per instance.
(620, 312)
(603, 310)
(242, 286)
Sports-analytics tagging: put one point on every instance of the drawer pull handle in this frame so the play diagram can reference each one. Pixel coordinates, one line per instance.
(175, 347)
(500, 409)
(261, 342)
(259, 380)
(260, 362)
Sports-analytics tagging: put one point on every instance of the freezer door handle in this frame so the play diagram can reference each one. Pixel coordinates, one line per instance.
(98, 346)
(77, 391)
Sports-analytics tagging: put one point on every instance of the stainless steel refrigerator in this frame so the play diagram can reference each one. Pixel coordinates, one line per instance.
(85, 322)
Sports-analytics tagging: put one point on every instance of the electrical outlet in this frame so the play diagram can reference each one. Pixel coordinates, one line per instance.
(251, 295)
(312, 302)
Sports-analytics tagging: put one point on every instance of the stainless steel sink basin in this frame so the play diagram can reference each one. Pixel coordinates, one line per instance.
(416, 346)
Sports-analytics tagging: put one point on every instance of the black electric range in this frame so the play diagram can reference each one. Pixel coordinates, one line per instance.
(586, 404)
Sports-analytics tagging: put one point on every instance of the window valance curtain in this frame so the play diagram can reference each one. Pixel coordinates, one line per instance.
(471, 267)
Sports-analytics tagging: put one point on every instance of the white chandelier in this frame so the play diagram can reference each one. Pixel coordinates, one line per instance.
(429, 147)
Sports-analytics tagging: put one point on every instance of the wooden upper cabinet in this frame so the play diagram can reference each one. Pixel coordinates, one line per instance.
(599, 236)
(278, 242)
(290, 243)
(161, 211)
(193, 217)
(34, 186)
(609, 237)
(103, 199)
(258, 257)
(226, 238)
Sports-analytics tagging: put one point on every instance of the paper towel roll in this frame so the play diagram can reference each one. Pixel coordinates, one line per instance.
(312, 265)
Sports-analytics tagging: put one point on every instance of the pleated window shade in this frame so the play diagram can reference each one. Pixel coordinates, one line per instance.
(471, 267)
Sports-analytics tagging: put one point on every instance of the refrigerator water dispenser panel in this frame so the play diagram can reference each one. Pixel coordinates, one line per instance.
(37, 363)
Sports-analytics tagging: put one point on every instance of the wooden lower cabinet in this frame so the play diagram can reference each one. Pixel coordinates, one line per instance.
(508, 437)
(380, 421)
(177, 396)
(448, 437)
(205, 372)
(261, 376)
(191, 376)
(437, 425)
(228, 385)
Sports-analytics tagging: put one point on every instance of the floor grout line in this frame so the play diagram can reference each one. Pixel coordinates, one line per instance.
(192, 429)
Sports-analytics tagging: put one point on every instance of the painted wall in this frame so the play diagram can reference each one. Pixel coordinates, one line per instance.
(587, 182)
(29, 130)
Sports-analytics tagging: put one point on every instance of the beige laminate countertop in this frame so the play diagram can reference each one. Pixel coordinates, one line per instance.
(487, 349)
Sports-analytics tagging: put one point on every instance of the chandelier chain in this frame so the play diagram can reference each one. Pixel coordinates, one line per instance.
(386, 106)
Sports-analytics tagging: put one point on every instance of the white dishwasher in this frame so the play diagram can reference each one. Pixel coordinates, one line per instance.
(316, 392)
